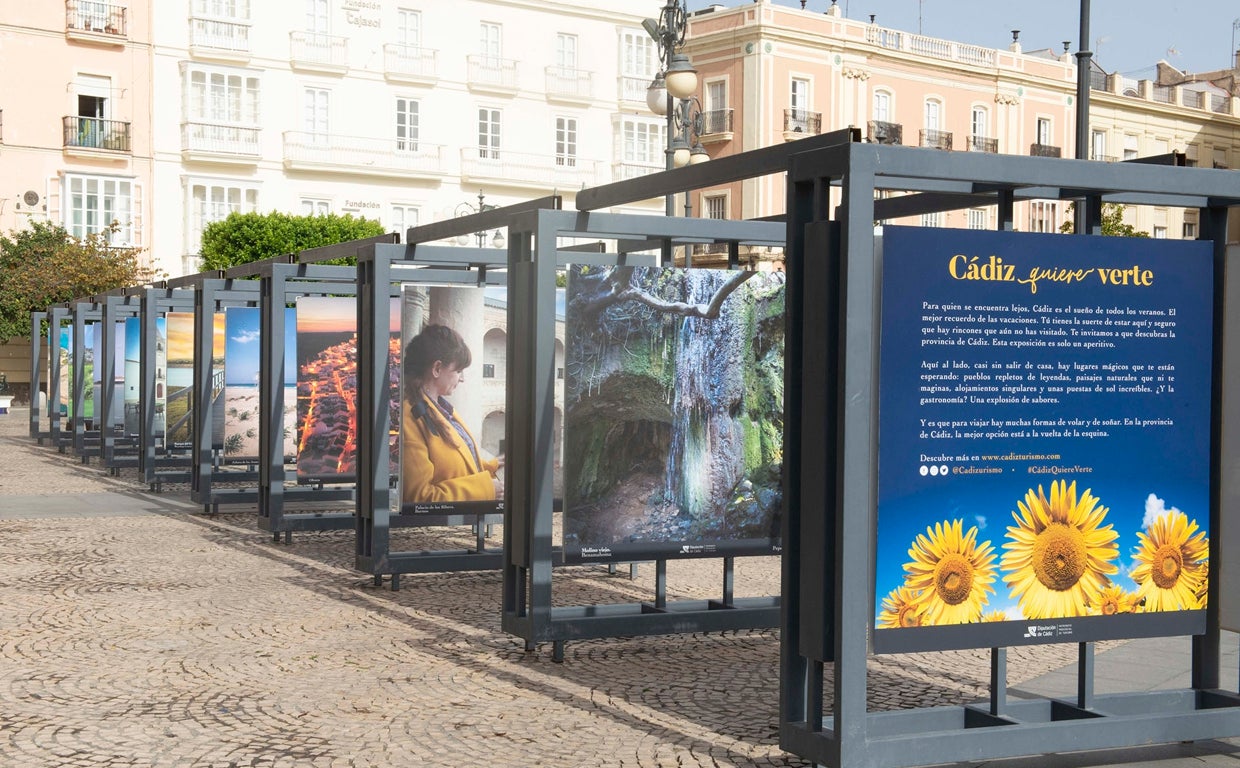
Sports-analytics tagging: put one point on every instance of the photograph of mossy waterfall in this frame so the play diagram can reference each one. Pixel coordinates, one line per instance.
(674, 412)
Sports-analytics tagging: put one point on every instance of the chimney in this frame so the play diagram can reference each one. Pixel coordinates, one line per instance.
(1015, 46)
(834, 10)
(1237, 59)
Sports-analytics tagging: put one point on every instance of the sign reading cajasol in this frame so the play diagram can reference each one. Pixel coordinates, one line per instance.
(1044, 439)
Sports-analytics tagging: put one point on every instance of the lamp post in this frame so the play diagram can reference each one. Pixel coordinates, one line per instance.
(676, 80)
(465, 209)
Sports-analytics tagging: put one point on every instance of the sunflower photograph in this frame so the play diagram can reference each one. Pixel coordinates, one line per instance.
(952, 573)
(1112, 600)
(900, 609)
(1171, 561)
(1058, 555)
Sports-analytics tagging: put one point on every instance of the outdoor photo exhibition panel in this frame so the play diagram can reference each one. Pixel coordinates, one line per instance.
(998, 439)
(424, 459)
(38, 374)
(672, 497)
(165, 369)
(210, 467)
(1045, 377)
(317, 506)
(284, 281)
(77, 342)
(118, 443)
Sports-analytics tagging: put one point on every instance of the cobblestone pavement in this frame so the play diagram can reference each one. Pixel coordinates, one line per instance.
(135, 633)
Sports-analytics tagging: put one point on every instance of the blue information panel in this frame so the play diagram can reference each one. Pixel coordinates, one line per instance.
(1044, 439)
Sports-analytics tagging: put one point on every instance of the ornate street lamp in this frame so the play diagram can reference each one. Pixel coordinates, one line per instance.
(465, 209)
(677, 80)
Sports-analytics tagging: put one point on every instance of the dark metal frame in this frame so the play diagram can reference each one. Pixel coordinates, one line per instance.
(529, 554)
(84, 442)
(830, 400)
(207, 463)
(381, 270)
(117, 449)
(157, 462)
(36, 374)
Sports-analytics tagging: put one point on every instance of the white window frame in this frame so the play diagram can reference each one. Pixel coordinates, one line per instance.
(222, 95)
(800, 89)
(1189, 231)
(566, 141)
(314, 206)
(316, 113)
(218, 199)
(318, 17)
(715, 206)
(881, 105)
(409, 27)
(1044, 131)
(402, 216)
(490, 132)
(979, 121)
(566, 52)
(643, 141)
(1132, 146)
(490, 43)
(933, 114)
(1097, 144)
(407, 124)
(224, 10)
(932, 219)
(637, 56)
(979, 218)
(91, 202)
(1044, 216)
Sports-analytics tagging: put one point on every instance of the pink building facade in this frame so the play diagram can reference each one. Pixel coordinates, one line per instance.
(75, 127)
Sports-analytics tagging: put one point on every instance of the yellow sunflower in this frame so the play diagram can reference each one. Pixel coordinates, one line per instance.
(952, 573)
(1058, 555)
(1171, 563)
(1113, 600)
(994, 616)
(900, 609)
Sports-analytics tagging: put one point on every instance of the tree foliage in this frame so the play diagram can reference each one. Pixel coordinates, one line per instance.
(245, 237)
(45, 265)
(1112, 222)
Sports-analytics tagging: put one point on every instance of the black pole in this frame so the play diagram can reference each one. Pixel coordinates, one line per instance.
(1083, 57)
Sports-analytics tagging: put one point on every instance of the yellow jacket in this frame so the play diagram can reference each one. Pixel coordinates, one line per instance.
(439, 467)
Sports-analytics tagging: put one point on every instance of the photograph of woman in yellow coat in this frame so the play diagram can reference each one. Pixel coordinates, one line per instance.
(440, 459)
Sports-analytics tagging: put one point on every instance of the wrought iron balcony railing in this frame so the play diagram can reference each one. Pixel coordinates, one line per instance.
(983, 144)
(96, 17)
(936, 139)
(568, 83)
(802, 121)
(96, 133)
(1045, 150)
(1103, 158)
(219, 34)
(717, 121)
(492, 72)
(315, 50)
(883, 132)
(410, 61)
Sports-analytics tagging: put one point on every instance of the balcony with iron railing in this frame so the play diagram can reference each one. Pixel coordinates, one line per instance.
(357, 155)
(219, 38)
(93, 133)
(319, 52)
(1103, 158)
(799, 123)
(884, 132)
(96, 22)
(492, 74)
(527, 170)
(216, 142)
(569, 85)
(410, 63)
(935, 139)
(716, 126)
(1045, 150)
(983, 144)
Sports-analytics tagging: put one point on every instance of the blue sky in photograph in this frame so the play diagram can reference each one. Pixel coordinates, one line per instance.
(1127, 36)
(241, 357)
